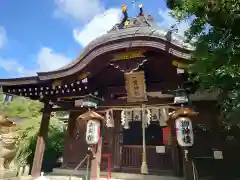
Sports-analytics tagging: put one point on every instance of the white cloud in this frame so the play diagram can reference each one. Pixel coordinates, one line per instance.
(168, 20)
(47, 60)
(80, 10)
(3, 36)
(95, 18)
(98, 26)
(13, 67)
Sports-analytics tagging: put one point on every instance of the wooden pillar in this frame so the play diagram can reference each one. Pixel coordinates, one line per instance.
(188, 166)
(144, 166)
(95, 164)
(41, 141)
(175, 152)
(116, 141)
(67, 143)
(110, 136)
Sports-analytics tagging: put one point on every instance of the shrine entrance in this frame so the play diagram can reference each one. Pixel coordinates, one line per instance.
(132, 147)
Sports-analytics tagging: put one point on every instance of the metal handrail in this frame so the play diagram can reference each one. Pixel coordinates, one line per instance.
(70, 176)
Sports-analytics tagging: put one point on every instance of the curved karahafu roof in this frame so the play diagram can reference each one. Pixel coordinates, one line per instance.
(140, 31)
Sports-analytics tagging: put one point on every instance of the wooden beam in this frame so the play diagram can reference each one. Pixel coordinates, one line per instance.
(41, 141)
(109, 103)
(152, 87)
(123, 102)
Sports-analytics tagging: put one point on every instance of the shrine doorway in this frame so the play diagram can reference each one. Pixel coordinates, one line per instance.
(133, 135)
(132, 147)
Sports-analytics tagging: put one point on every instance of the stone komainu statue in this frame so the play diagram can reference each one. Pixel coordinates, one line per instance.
(8, 139)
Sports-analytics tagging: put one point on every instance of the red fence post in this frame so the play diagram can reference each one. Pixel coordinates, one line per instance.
(109, 164)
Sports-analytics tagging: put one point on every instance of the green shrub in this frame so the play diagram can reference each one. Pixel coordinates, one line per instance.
(30, 113)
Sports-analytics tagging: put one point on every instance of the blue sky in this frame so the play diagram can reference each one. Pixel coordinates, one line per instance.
(43, 35)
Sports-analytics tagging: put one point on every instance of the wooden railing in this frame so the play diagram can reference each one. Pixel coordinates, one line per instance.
(132, 157)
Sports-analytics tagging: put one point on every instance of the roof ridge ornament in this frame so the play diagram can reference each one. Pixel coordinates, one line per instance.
(125, 16)
(141, 13)
(140, 20)
(173, 29)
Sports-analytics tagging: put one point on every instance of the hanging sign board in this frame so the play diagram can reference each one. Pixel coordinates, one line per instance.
(184, 131)
(180, 99)
(217, 154)
(160, 149)
(135, 86)
(85, 103)
(92, 132)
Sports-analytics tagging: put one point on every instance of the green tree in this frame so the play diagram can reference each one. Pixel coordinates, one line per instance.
(30, 113)
(215, 32)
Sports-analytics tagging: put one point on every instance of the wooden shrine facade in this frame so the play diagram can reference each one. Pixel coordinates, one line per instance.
(99, 70)
(127, 156)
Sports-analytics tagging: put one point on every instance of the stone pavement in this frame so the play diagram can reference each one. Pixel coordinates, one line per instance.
(63, 173)
(128, 177)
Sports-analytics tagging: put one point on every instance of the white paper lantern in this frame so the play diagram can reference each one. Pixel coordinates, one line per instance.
(92, 132)
(184, 131)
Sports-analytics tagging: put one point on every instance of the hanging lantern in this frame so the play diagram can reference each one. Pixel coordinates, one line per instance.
(181, 96)
(184, 131)
(88, 101)
(93, 121)
(93, 131)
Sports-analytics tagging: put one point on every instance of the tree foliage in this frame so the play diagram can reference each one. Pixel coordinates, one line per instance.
(215, 32)
(30, 113)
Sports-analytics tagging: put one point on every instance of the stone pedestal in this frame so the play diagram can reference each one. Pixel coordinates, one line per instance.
(4, 174)
(26, 178)
(8, 140)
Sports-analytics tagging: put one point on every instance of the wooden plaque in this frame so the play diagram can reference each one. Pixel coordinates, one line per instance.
(135, 86)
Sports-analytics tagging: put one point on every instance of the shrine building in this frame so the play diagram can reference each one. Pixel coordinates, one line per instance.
(135, 65)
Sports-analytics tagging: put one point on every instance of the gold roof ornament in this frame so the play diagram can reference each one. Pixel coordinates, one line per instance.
(141, 10)
(124, 8)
